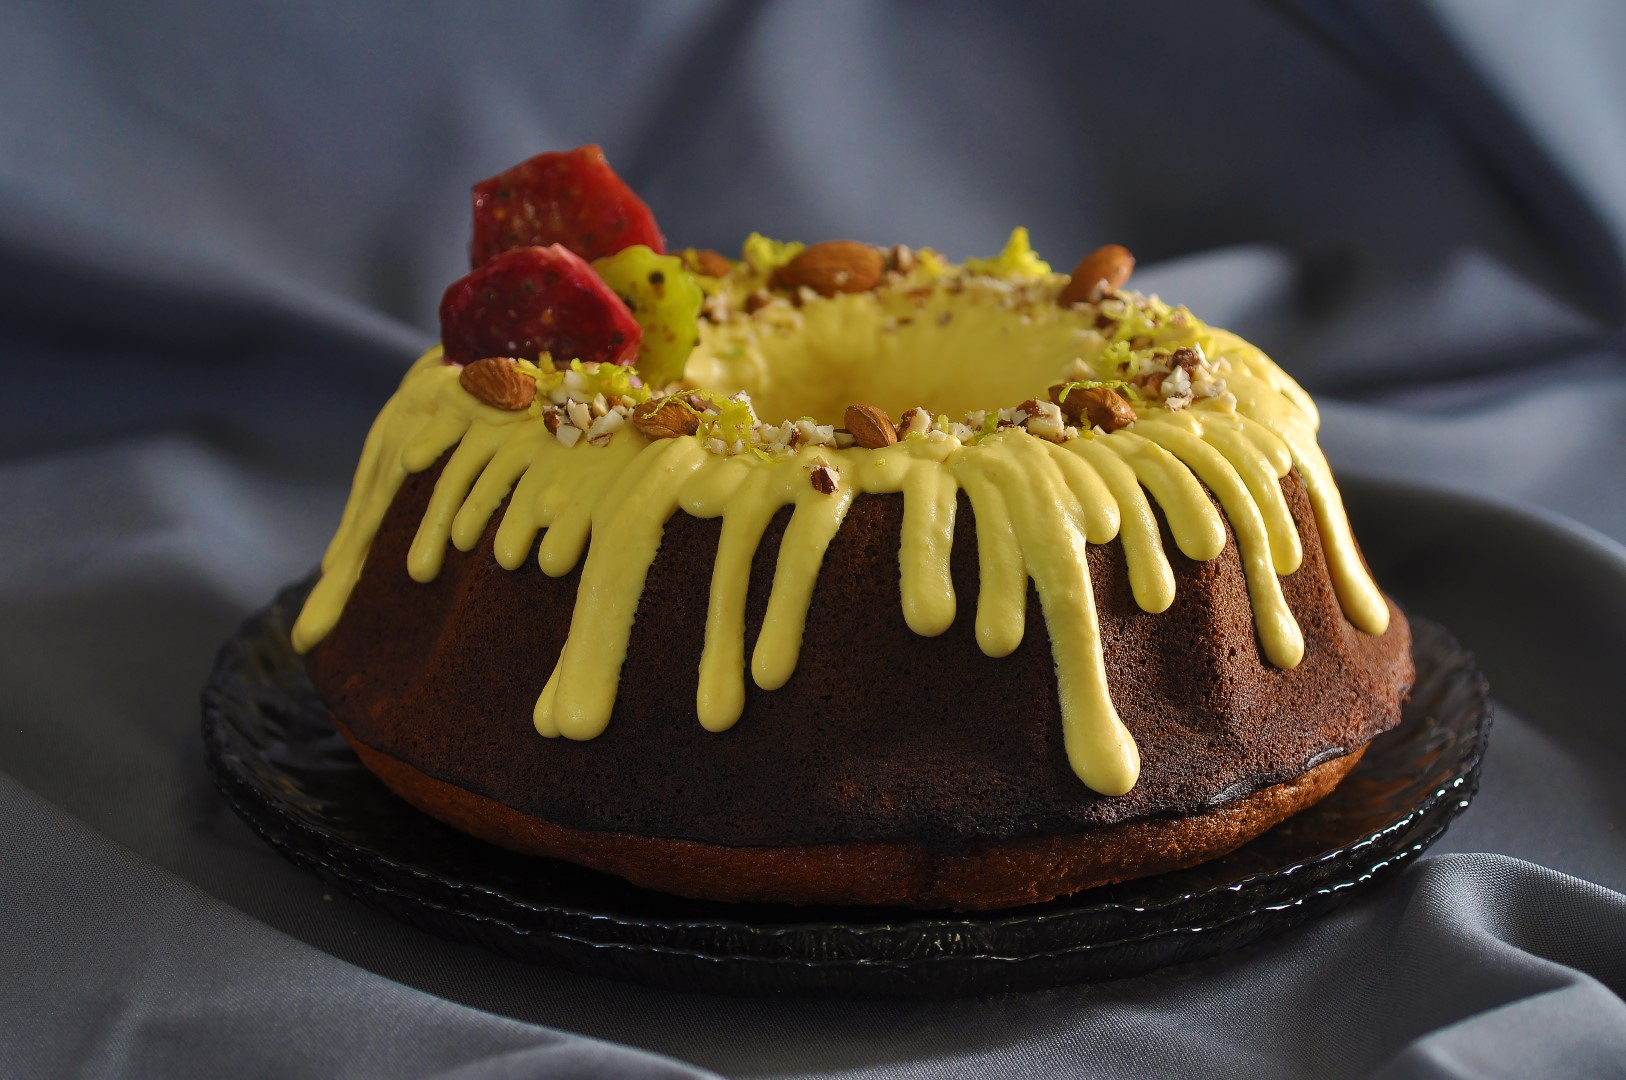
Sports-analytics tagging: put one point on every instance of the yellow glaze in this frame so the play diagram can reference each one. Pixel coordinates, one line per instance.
(1037, 504)
(1018, 259)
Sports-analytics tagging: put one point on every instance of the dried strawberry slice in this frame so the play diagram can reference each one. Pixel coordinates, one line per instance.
(571, 198)
(536, 300)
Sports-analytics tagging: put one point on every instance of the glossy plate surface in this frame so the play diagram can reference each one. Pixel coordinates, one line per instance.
(283, 768)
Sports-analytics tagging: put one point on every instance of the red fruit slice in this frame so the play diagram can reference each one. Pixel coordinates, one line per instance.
(571, 198)
(536, 300)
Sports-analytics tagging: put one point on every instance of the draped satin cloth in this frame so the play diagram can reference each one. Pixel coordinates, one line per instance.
(223, 233)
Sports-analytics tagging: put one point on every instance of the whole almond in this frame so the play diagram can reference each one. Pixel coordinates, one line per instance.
(665, 419)
(1097, 406)
(1111, 264)
(871, 428)
(499, 383)
(1073, 406)
(835, 266)
(710, 263)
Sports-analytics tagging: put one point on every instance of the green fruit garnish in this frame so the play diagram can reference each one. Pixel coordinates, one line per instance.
(665, 300)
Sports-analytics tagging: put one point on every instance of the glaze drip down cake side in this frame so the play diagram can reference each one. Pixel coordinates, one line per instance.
(835, 574)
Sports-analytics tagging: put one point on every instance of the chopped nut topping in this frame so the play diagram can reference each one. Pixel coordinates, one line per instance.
(1176, 389)
(1044, 419)
(916, 421)
(605, 426)
(1150, 360)
(716, 308)
(580, 413)
(825, 478)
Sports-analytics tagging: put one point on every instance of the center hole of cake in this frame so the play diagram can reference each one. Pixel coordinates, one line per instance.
(951, 352)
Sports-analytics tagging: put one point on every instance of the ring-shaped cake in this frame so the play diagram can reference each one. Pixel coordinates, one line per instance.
(837, 574)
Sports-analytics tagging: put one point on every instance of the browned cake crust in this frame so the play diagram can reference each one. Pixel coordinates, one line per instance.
(882, 742)
(1005, 873)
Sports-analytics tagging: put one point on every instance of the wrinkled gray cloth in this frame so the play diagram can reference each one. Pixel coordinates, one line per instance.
(223, 233)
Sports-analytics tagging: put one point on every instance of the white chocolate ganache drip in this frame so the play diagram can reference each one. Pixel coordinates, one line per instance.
(944, 336)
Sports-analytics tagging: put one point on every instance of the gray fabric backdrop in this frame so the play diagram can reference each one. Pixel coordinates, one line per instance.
(223, 232)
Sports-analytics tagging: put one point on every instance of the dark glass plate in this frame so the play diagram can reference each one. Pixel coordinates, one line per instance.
(276, 757)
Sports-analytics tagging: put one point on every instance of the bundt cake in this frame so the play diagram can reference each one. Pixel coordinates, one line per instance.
(622, 467)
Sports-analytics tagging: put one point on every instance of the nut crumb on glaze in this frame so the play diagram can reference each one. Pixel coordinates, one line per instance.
(824, 478)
